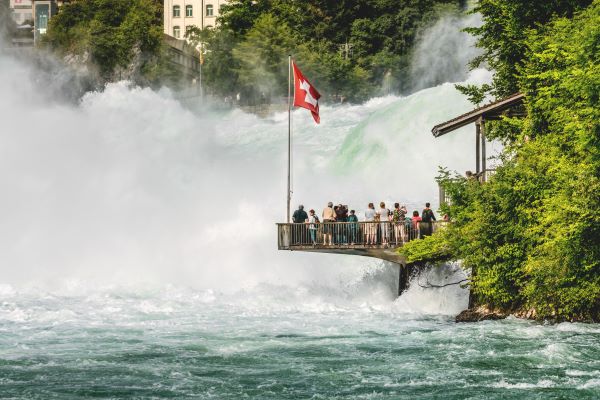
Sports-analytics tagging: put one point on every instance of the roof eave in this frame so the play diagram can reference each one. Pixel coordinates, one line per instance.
(474, 115)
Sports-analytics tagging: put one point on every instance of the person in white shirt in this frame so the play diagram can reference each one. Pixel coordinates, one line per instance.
(370, 225)
(384, 222)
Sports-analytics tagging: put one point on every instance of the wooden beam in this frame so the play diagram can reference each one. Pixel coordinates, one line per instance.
(493, 109)
(483, 154)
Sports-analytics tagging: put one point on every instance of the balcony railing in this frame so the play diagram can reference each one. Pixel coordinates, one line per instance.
(348, 235)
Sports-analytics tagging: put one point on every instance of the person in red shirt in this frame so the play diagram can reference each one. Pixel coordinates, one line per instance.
(416, 222)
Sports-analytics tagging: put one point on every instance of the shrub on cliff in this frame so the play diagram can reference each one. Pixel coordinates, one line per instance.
(109, 34)
(533, 232)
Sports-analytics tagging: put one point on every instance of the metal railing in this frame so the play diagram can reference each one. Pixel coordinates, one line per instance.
(353, 234)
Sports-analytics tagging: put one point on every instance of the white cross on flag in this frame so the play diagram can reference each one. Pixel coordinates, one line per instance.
(305, 94)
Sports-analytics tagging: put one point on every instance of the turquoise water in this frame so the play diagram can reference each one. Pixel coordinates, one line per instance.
(182, 343)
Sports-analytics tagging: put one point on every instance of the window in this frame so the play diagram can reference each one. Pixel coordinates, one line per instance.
(176, 32)
(189, 11)
(209, 10)
(176, 11)
(42, 14)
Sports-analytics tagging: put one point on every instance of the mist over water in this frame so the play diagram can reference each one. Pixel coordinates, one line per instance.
(128, 186)
(443, 52)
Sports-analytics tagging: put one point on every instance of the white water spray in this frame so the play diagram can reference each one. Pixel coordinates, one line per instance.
(129, 186)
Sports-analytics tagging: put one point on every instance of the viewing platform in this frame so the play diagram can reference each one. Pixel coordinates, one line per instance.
(370, 239)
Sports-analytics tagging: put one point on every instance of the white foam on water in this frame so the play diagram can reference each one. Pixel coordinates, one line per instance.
(592, 383)
(425, 296)
(544, 383)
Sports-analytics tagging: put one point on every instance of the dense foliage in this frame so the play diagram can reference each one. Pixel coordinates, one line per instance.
(353, 49)
(110, 34)
(532, 233)
(503, 35)
(350, 47)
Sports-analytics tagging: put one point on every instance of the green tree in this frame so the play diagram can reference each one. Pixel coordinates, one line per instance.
(504, 32)
(380, 33)
(217, 49)
(532, 232)
(110, 33)
(263, 56)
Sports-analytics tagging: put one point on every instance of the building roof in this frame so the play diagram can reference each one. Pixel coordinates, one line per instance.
(490, 111)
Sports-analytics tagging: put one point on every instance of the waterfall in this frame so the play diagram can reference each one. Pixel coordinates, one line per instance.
(128, 185)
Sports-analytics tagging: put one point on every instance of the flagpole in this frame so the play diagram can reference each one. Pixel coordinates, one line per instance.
(289, 166)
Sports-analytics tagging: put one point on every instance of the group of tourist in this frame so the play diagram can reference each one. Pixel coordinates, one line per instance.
(382, 221)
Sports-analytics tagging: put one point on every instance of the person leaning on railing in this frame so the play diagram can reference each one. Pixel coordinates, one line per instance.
(341, 215)
(370, 214)
(352, 227)
(416, 224)
(398, 218)
(328, 217)
(298, 232)
(384, 222)
(427, 217)
(312, 221)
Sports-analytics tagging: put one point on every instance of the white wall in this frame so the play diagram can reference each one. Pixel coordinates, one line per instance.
(22, 10)
(198, 18)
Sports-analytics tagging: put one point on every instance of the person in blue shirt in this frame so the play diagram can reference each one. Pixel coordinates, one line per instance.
(299, 232)
(300, 216)
(352, 227)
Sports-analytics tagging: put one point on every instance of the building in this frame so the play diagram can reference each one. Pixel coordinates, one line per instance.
(22, 11)
(179, 15)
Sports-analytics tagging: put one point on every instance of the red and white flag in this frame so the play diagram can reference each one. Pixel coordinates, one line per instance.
(305, 94)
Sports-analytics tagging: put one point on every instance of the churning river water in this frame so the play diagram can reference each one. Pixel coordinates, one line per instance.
(278, 343)
(138, 253)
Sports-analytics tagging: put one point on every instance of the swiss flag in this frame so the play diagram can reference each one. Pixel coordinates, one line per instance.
(305, 94)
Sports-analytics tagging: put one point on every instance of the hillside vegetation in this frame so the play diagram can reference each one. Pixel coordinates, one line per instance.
(116, 39)
(353, 49)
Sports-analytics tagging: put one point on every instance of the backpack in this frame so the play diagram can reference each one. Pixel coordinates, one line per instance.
(427, 215)
(317, 219)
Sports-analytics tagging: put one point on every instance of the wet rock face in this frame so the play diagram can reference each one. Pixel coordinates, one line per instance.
(479, 314)
(483, 313)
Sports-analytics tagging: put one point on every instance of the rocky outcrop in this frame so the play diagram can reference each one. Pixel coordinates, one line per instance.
(480, 314)
(483, 313)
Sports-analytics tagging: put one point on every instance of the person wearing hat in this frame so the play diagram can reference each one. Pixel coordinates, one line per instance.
(328, 216)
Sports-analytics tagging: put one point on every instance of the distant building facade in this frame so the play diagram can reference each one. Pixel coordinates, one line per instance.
(179, 15)
(22, 11)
